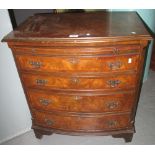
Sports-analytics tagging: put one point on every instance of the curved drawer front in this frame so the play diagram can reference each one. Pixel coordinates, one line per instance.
(81, 103)
(79, 64)
(111, 82)
(83, 123)
(67, 51)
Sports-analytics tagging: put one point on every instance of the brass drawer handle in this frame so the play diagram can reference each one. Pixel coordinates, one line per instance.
(45, 101)
(112, 105)
(111, 123)
(41, 82)
(73, 61)
(35, 64)
(75, 80)
(114, 65)
(113, 83)
(49, 122)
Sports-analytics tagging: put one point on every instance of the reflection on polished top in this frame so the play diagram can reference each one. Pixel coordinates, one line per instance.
(80, 25)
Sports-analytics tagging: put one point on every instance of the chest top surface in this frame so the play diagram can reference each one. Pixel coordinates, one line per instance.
(80, 26)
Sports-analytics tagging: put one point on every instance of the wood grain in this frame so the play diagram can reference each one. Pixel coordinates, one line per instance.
(112, 63)
(79, 122)
(104, 25)
(54, 82)
(113, 49)
(89, 84)
(83, 103)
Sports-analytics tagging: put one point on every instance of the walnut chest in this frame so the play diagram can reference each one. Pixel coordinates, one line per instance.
(81, 72)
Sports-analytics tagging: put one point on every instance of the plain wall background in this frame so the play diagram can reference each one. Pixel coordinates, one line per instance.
(148, 15)
(14, 114)
(15, 117)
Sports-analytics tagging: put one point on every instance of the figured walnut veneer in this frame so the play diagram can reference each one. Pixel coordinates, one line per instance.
(81, 73)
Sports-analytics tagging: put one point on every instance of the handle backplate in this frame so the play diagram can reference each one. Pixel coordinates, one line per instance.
(41, 81)
(49, 122)
(114, 65)
(113, 83)
(111, 123)
(45, 101)
(35, 64)
(112, 104)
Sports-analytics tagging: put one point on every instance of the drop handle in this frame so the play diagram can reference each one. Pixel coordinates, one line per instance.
(45, 101)
(114, 65)
(112, 123)
(41, 82)
(112, 105)
(35, 64)
(48, 122)
(113, 83)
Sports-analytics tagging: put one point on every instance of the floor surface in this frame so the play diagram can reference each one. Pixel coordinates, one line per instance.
(145, 126)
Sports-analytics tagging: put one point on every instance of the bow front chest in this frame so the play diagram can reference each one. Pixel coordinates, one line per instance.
(81, 72)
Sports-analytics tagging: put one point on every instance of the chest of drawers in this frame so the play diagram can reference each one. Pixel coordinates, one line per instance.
(81, 72)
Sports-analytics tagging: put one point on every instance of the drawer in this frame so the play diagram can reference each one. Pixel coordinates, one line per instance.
(79, 122)
(111, 63)
(91, 103)
(67, 51)
(111, 82)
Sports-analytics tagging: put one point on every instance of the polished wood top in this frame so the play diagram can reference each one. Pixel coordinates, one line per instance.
(80, 26)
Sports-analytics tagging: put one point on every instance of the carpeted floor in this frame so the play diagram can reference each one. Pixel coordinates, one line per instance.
(145, 126)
